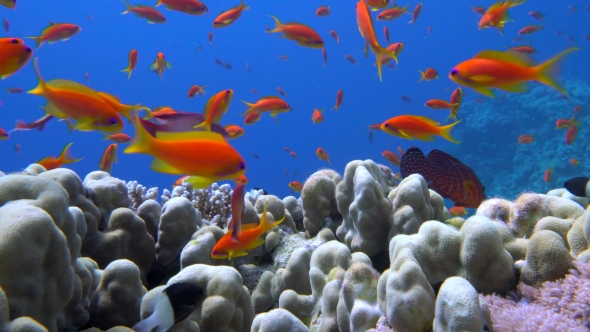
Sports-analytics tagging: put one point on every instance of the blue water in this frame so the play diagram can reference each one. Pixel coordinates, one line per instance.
(101, 49)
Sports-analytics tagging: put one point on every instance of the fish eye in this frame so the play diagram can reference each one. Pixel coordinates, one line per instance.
(227, 91)
(242, 166)
(15, 41)
(215, 22)
(214, 252)
(387, 125)
(454, 72)
(113, 121)
(28, 50)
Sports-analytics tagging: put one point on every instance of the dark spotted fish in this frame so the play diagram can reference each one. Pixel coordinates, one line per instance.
(577, 186)
(446, 175)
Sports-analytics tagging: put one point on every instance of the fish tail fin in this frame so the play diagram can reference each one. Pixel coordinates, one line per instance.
(128, 71)
(147, 324)
(106, 137)
(39, 40)
(547, 71)
(66, 155)
(142, 140)
(265, 224)
(244, 7)
(329, 162)
(42, 87)
(383, 54)
(129, 7)
(513, 3)
(452, 116)
(250, 108)
(159, 3)
(445, 132)
(423, 76)
(278, 26)
(206, 125)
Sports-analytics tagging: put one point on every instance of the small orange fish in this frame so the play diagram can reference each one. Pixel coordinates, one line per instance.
(56, 32)
(160, 64)
(191, 7)
(574, 162)
(428, 75)
(161, 110)
(231, 246)
(322, 11)
(217, 105)
(419, 127)
(296, 186)
(572, 133)
(13, 56)
(458, 211)
(334, 35)
(252, 118)
(151, 14)
(179, 182)
(3, 134)
(298, 32)
(391, 157)
(317, 116)
(132, 63)
(281, 91)
(272, 104)
(210, 37)
(234, 131)
(119, 137)
(439, 104)
(109, 157)
(529, 29)
(416, 13)
(126, 110)
(339, 97)
(564, 123)
(322, 155)
(497, 15)
(242, 179)
(456, 98)
(377, 4)
(547, 175)
(401, 151)
(230, 16)
(350, 58)
(392, 13)
(64, 158)
(196, 90)
(526, 139)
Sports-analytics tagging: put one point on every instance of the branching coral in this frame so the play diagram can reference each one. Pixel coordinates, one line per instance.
(213, 202)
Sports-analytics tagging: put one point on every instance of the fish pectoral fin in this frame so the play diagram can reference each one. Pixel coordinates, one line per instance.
(153, 66)
(484, 91)
(200, 182)
(227, 21)
(482, 79)
(234, 254)
(51, 109)
(517, 87)
(161, 166)
(256, 243)
(83, 126)
(427, 138)
(404, 135)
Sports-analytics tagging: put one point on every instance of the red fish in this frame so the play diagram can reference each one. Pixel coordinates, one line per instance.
(3, 134)
(56, 32)
(237, 210)
(196, 90)
(446, 175)
(529, 29)
(13, 56)
(478, 9)
(339, 97)
(334, 35)
(386, 34)
(242, 179)
(322, 155)
(564, 123)
(350, 58)
(537, 15)
(252, 118)
(458, 211)
(325, 55)
(230, 16)
(191, 7)
(577, 108)
(64, 158)
(391, 157)
(296, 186)
(547, 175)
(525, 139)
(322, 11)
(160, 64)
(524, 49)
(428, 75)
(574, 162)
(6, 25)
(281, 91)
(151, 14)
(293, 154)
(215, 108)
(109, 157)
(210, 37)
(119, 137)
(497, 15)
(180, 181)
(572, 133)
(272, 104)
(234, 131)
(401, 151)
(416, 13)
(439, 104)
(317, 116)
(300, 33)
(456, 98)
(132, 63)
(15, 90)
(392, 13)
(37, 124)
(419, 127)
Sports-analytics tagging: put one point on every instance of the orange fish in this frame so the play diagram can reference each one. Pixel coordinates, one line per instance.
(428, 75)
(365, 23)
(396, 48)
(525, 139)
(391, 157)
(119, 137)
(317, 116)
(205, 156)
(230, 16)
(242, 179)
(248, 237)
(151, 14)
(547, 175)
(497, 15)
(179, 182)
(191, 7)
(127, 111)
(574, 162)
(296, 186)
(322, 155)
(508, 71)
(272, 104)
(339, 97)
(524, 49)
(64, 158)
(564, 123)
(215, 108)
(529, 29)
(298, 32)
(456, 98)
(56, 32)
(439, 104)
(572, 133)
(132, 63)
(8, 3)
(293, 154)
(416, 13)
(392, 13)
(109, 157)
(234, 131)
(377, 4)
(68, 99)
(13, 56)
(458, 211)
(334, 35)
(419, 127)
(3, 134)
(196, 90)
(322, 11)
(14, 90)
(252, 118)
(160, 64)
(37, 124)
(161, 110)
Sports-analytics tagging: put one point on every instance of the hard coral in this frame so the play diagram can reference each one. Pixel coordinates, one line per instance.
(214, 202)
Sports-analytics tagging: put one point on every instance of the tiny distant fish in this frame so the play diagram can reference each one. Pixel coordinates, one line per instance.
(370, 137)
(89, 17)
(351, 59)
(537, 15)
(281, 91)
(286, 149)
(547, 175)
(283, 57)
(525, 139)
(406, 98)
(572, 9)
(255, 156)
(17, 148)
(248, 67)
(87, 76)
(339, 97)
(577, 108)
(3, 135)
(529, 29)
(293, 154)
(210, 37)
(323, 11)
(478, 9)
(574, 162)
(198, 49)
(335, 36)
(572, 133)
(386, 33)
(223, 64)
(6, 25)
(254, 91)
(366, 49)
(416, 13)
(285, 171)
(401, 151)
(325, 55)
(14, 90)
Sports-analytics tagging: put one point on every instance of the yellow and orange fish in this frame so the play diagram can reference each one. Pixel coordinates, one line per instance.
(132, 63)
(317, 116)
(217, 105)
(272, 104)
(151, 14)
(508, 71)
(234, 131)
(191, 7)
(298, 32)
(196, 90)
(56, 32)
(242, 179)
(439, 104)
(248, 237)
(458, 211)
(456, 98)
(71, 100)
(428, 75)
(419, 127)
(396, 48)
(392, 13)
(160, 64)
(391, 157)
(497, 15)
(296, 186)
(322, 155)
(127, 111)
(8, 3)
(574, 162)
(205, 156)
(179, 182)
(13, 56)
(64, 158)
(109, 157)
(252, 118)
(377, 4)
(230, 16)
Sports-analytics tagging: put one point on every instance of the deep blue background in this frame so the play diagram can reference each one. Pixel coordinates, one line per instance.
(101, 49)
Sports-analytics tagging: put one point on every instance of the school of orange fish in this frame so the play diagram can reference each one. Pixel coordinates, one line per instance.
(196, 145)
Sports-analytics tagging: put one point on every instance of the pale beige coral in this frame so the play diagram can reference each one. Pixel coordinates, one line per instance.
(177, 223)
(318, 199)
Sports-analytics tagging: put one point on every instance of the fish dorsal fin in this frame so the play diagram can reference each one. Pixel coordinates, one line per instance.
(190, 135)
(495, 6)
(71, 85)
(510, 57)
(425, 119)
(246, 227)
(109, 96)
(269, 97)
(51, 22)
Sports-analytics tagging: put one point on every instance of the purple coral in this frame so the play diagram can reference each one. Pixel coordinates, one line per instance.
(563, 305)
